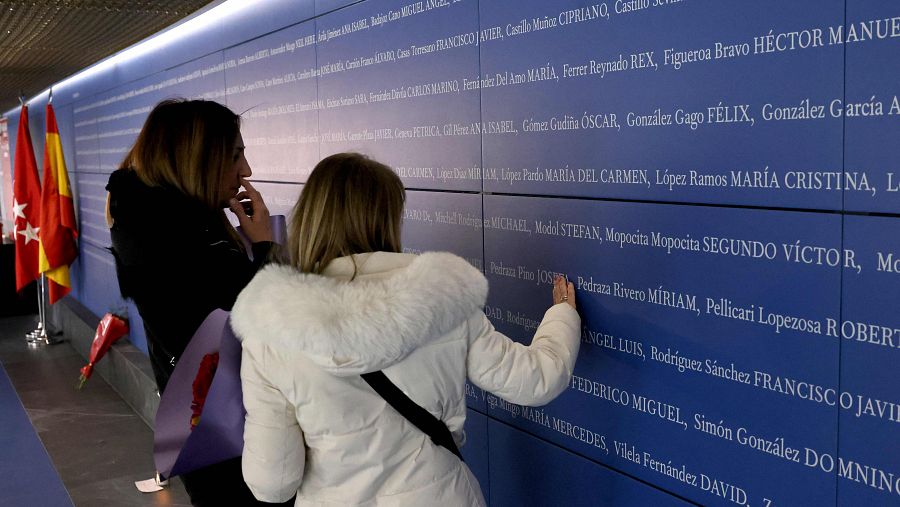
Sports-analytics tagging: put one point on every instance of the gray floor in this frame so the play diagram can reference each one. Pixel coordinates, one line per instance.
(97, 443)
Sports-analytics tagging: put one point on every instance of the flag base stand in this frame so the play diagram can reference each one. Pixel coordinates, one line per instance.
(37, 336)
(31, 335)
(40, 335)
(42, 339)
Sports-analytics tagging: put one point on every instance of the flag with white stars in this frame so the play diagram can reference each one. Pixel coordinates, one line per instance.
(26, 205)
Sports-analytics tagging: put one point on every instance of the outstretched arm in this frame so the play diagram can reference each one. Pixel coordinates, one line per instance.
(528, 375)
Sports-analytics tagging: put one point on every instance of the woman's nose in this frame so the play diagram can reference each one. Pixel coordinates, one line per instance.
(245, 171)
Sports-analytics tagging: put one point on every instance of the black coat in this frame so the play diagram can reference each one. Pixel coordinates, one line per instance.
(176, 259)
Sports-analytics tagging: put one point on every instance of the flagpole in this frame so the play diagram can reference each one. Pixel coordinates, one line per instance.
(32, 336)
(39, 336)
(46, 335)
(42, 338)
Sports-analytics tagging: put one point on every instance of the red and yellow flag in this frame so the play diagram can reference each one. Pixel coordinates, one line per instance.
(26, 205)
(58, 229)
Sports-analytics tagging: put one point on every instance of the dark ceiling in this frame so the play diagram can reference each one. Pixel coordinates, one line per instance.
(45, 41)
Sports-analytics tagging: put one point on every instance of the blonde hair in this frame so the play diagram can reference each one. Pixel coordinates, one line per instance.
(350, 204)
(188, 145)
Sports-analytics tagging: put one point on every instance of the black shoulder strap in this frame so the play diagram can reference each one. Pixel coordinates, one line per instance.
(418, 416)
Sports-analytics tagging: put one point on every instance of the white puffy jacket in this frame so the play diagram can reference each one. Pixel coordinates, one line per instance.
(316, 429)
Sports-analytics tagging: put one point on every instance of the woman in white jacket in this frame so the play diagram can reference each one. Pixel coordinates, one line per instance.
(350, 304)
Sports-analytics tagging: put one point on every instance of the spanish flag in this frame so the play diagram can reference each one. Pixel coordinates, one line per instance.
(58, 228)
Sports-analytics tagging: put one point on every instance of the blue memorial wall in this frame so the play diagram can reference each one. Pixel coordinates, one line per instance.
(720, 181)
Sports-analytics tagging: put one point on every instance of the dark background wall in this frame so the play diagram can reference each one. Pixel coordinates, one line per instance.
(719, 179)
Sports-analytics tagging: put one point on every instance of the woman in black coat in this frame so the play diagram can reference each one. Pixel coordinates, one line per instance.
(177, 256)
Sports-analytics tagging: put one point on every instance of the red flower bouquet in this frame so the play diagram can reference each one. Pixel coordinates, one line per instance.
(201, 385)
(111, 328)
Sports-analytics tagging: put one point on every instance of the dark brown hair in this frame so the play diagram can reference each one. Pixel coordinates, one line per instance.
(186, 144)
(350, 204)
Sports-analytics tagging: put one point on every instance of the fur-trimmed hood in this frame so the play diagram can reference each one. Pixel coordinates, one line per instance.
(349, 328)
